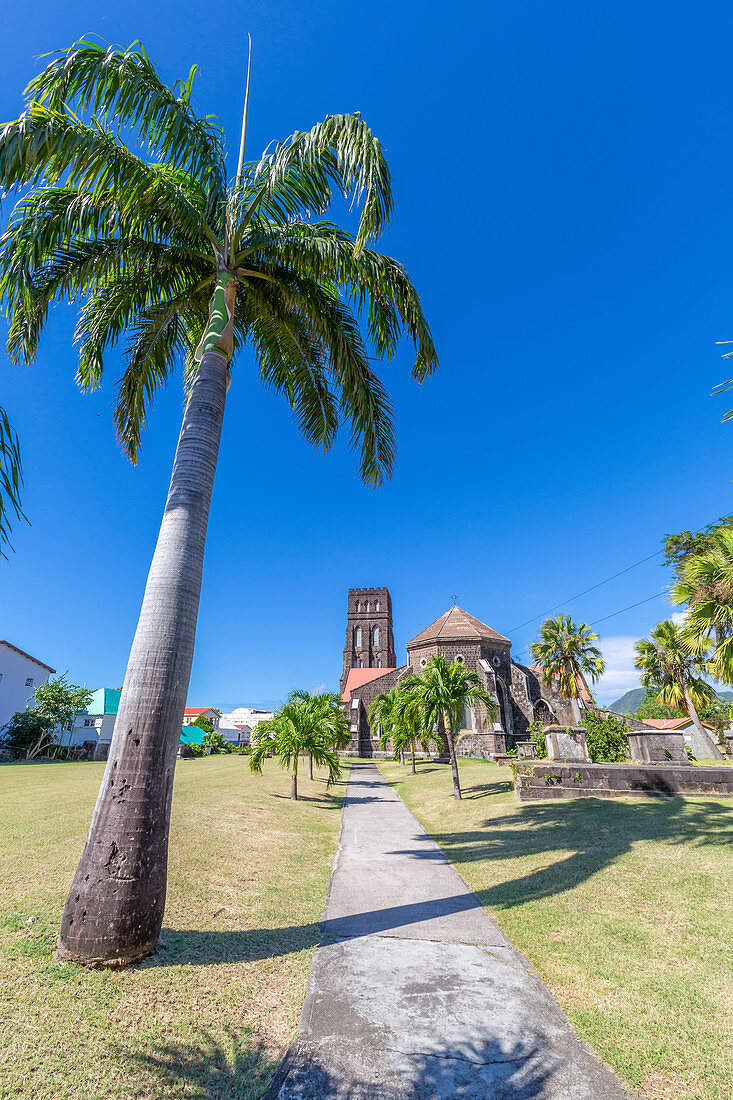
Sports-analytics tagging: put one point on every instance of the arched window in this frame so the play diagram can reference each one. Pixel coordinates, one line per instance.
(361, 664)
(372, 664)
(376, 605)
(366, 606)
(379, 662)
(357, 636)
(358, 605)
(375, 635)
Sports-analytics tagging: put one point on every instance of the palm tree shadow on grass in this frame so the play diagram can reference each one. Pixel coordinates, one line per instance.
(227, 1066)
(587, 834)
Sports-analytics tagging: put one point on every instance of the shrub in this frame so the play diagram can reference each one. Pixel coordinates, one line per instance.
(536, 735)
(216, 742)
(606, 738)
(23, 731)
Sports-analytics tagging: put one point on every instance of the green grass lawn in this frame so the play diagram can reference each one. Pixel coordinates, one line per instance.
(624, 907)
(209, 1013)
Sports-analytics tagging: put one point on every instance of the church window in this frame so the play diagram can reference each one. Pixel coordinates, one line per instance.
(376, 605)
(423, 662)
(357, 636)
(358, 605)
(375, 635)
(371, 663)
(379, 662)
(459, 659)
(361, 664)
(366, 606)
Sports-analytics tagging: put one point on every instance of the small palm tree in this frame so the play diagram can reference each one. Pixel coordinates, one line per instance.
(705, 584)
(669, 667)
(11, 479)
(382, 716)
(408, 727)
(312, 724)
(565, 654)
(192, 266)
(443, 692)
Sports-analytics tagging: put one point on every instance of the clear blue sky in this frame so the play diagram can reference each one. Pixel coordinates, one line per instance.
(562, 176)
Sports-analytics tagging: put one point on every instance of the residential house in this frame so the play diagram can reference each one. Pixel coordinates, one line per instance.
(20, 675)
(93, 728)
(190, 715)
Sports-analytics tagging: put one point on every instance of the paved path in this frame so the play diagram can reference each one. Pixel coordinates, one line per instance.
(415, 993)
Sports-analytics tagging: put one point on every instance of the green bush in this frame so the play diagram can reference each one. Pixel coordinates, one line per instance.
(606, 738)
(216, 742)
(535, 734)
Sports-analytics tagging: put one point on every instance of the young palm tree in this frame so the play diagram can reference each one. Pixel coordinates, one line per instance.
(313, 724)
(443, 691)
(159, 248)
(382, 716)
(705, 584)
(408, 727)
(668, 666)
(565, 654)
(11, 479)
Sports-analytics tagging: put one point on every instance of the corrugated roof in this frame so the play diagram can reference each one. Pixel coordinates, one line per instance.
(200, 710)
(357, 677)
(457, 625)
(192, 735)
(671, 723)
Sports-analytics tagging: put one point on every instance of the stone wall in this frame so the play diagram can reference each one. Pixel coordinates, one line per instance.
(543, 780)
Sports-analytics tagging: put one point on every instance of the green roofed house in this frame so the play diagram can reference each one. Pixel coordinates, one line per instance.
(92, 729)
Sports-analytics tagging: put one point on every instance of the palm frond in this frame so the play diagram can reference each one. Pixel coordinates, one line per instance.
(124, 84)
(11, 480)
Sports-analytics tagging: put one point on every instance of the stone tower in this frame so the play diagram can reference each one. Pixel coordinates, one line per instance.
(369, 635)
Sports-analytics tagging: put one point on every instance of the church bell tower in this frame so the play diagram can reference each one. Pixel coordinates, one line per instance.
(369, 634)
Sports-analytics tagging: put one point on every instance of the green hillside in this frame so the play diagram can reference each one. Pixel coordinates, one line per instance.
(628, 703)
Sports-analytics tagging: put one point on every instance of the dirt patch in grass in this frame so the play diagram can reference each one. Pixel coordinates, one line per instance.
(209, 1014)
(623, 906)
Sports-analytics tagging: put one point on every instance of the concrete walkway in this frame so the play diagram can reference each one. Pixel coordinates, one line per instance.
(415, 992)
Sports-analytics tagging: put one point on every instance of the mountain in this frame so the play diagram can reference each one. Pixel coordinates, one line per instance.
(628, 703)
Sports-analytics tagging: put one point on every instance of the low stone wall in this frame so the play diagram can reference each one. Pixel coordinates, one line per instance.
(481, 745)
(558, 780)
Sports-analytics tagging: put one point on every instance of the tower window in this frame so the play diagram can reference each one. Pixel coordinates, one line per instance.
(376, 605)
(361, 664)
(357, 636)
(358, 605)
(366, 606)
(379, 662)
(375, 635)
(372, 664)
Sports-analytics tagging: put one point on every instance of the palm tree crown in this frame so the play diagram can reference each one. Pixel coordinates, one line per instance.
(164, 250)
(313, 724)
(668, 666)
(566, 655)
(705, 584)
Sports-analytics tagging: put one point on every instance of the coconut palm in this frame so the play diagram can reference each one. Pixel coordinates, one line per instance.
(158, 248)
(668, 666)
(705, 584)
(11, 479)
(565, 655)
(443, 692)
(312, 724)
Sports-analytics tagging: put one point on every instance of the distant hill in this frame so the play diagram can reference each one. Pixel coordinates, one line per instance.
(628, 703)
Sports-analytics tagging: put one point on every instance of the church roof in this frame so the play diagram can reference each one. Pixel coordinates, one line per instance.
(357, 677)
(457, 625)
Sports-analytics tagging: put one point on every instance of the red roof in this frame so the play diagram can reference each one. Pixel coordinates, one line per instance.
(198, 710)
(457, 625)
(359, 676)
(24, 654)
(671, 723)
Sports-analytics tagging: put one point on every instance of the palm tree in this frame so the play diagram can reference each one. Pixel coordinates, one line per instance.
(11, 479)
(705, 584)
(443, 692)
(382, 716)
(565, 655)
(408, 727)
(313, 724)
(668, 666)
(192, 270)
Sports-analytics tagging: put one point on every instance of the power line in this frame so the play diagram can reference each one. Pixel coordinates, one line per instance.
(585, 592)
(614, 613)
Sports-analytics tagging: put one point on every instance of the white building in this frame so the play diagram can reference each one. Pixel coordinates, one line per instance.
(94, 726)
(248, 716)
(236, 734)
(20, 675)
(190, 715)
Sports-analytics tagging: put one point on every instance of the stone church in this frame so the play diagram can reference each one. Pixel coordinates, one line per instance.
(370, 667)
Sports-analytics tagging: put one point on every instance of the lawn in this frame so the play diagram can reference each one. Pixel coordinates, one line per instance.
(208, 1015)
(624, 907)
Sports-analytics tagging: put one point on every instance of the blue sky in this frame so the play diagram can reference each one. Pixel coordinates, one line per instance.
(562, 184)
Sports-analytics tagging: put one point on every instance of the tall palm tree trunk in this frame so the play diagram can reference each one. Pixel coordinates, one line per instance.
(449, 736)
(412, 746)
(294, 780)
(310, 765)
(701, 731)
(114, 910)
